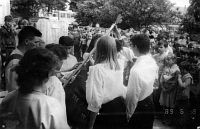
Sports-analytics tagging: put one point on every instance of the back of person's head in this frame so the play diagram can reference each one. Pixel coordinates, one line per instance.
(185, 66)
(28, 33)
(93, 42)
(8, 18)
(58, 50)
(142, 42)
(106, 50)
(163, 43)
(66, 41)
(35, 68)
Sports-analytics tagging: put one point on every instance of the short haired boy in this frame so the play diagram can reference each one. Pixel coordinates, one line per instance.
(29, 37)
(139, 102)
(71, 60)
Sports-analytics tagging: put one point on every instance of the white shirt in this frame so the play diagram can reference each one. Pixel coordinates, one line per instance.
(55, 89)
(10, 75)
(128, 53)
(68, 64)
(103, 85)
(141, 80)
(35, 111)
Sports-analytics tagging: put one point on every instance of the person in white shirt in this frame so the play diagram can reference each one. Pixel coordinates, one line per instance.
(29, 37)
(105, 78)
(71, 60)
(140, 107)
(54, 86)
(126, 59)
(31, 107)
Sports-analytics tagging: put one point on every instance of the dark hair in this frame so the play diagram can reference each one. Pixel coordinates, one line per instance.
(22, 22)
(34, 68)
(181, 37)
(66, 41)
(185, 66)
(28, 32)
(106, 50)
(8, 18)
(142, 42)
(163, 42)
(176, 39)
(93, 42)
(119, 44)
(58, 50)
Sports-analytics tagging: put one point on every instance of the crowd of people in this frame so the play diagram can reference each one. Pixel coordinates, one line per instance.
(98, 79)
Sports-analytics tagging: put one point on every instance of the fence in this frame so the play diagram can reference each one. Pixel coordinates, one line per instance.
(52, 29)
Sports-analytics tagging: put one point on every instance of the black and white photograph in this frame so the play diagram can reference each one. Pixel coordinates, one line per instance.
(100, 64)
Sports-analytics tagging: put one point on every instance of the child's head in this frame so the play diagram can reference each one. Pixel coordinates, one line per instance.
(170, 59)
(185, 67)
(162, 45)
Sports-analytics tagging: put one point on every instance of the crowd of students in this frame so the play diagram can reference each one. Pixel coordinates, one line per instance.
(133, 74)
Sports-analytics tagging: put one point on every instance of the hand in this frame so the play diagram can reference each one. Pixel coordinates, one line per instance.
(72, 79)
(59, 75)
(76, 65)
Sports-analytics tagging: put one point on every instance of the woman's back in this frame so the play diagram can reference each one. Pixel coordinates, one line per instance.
(107, 83)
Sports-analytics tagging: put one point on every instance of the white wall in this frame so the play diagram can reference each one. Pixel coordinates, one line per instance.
(52, 30)
(4, 10)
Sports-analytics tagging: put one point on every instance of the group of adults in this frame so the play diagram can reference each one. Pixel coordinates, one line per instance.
(34, 79)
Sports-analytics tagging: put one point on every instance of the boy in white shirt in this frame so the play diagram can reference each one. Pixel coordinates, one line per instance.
(71, 60)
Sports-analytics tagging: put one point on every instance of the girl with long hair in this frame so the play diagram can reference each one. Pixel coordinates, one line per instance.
(105, 78)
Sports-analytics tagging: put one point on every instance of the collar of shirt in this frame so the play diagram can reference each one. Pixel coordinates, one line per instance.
(143, 58)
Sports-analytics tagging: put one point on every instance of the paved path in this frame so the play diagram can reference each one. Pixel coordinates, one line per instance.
(158, 125)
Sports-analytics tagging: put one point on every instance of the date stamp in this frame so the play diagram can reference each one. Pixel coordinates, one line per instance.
(182, 111)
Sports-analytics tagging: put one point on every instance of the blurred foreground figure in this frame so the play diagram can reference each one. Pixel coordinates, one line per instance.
(31, 107)
(29, 37)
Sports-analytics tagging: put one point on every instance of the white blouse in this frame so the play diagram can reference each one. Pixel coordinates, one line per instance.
(103, 85)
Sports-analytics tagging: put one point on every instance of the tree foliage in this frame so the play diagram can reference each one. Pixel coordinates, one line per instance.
(30, 8)
(191, 23)
(136, 13)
